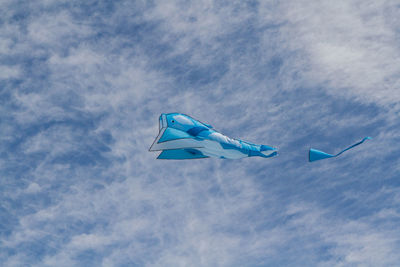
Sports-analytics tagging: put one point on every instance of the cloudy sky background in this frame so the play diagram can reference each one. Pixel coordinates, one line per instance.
(82, 84)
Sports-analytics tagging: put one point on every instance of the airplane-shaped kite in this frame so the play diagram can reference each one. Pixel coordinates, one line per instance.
(182, 137)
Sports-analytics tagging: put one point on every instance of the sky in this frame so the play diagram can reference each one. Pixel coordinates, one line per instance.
(82, 84)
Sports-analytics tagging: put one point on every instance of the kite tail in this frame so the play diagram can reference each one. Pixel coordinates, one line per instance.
(315, 154)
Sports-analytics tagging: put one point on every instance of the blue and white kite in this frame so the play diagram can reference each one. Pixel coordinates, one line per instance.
(182, 137)
(315, 154)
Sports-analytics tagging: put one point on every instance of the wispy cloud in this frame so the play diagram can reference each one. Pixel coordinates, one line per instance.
(83, 85)
(349, 47)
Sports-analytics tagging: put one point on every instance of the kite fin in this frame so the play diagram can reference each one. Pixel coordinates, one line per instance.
(315, 154)
(188, 153)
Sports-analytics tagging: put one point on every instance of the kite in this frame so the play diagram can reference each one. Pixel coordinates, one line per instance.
(315, 154)
(182, 137)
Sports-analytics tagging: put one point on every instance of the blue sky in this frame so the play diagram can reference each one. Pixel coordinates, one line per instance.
(82, 84)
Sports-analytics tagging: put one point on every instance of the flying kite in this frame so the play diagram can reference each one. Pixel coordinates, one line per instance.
(315, 154)
(182, 137)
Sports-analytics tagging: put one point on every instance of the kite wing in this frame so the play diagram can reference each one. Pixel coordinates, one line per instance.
(170, 138)
(189, 153)
(315, 154)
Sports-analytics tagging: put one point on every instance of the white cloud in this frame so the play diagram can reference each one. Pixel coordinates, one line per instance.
(8, 72)
(33, 188)
(128, 207)
(349, 48)
(50, 29)
(348, 242)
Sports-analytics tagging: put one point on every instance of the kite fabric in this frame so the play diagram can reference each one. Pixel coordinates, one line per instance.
(182, 137)
(315, 154)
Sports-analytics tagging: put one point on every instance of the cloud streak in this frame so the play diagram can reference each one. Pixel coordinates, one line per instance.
(83, 86)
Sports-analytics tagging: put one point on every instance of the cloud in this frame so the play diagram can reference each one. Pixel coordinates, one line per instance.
(346, 242)
(84, 85)
(8, 72)
(349, 48)
(33, 188)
